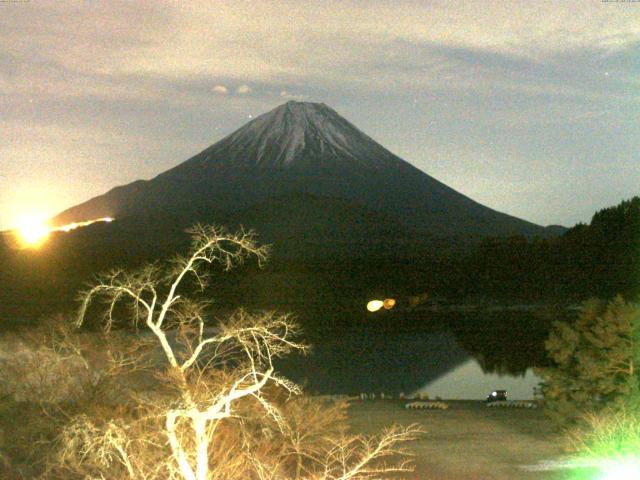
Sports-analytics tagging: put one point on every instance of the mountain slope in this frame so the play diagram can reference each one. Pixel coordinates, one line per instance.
(308, 149)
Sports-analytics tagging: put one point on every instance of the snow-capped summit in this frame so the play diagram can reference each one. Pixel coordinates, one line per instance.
(298, 135)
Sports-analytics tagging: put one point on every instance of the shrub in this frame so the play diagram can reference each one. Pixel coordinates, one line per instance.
(596, 360)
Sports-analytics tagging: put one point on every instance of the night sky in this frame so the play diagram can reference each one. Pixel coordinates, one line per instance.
(529, 107)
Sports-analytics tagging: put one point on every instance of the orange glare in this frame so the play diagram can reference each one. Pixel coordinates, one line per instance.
(389, 303)
(32, 231)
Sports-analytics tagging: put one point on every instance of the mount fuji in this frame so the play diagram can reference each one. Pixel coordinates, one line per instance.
(294, 164)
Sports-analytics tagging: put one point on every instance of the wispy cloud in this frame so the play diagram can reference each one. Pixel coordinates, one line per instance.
(292, 96)
(56, 47)
(221, 89)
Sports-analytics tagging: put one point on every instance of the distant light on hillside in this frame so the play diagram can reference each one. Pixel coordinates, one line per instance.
(32, 231)
(74, 225)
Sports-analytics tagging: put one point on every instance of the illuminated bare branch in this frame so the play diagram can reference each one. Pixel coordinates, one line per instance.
(213, 373)
(365, 458)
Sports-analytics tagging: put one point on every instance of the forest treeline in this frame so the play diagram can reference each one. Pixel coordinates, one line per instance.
(316, 277)
(600, 259)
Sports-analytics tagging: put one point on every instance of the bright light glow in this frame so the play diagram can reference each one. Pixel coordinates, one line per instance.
(74, 225)
(389, 303)
(32, 231)
(625, 470)
(375, 305)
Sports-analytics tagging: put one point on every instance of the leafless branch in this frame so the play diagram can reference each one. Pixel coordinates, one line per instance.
(194, 402)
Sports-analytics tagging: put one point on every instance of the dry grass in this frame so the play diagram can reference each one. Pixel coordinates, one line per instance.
(468, 441)
(112, 425)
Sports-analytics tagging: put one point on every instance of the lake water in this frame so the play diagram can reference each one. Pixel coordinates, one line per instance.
(449, 356)
(469, 382)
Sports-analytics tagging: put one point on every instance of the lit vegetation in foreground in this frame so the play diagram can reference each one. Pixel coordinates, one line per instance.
(593, 389)
(608, 443)
(187, 401)
(596, 361)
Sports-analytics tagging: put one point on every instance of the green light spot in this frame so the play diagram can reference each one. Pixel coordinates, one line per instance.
(625, 470)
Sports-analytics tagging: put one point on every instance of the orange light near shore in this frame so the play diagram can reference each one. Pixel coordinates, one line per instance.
(375, 305)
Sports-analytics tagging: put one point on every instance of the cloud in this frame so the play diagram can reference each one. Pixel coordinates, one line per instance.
(260, 42)
(221, 89)
(329, 43)
(293, 96)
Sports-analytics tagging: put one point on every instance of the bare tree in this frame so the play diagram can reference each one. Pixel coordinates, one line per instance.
(210, 375)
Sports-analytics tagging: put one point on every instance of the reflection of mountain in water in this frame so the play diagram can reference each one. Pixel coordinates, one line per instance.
(376, 362)
(470, 381)
(504, 342)
(423, 349)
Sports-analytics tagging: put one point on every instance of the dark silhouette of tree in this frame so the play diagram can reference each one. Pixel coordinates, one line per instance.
(601, 259)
